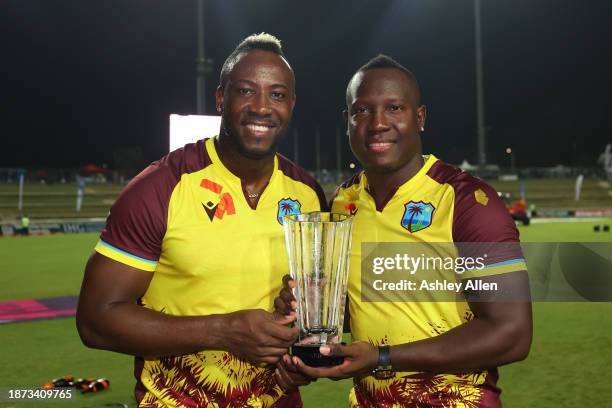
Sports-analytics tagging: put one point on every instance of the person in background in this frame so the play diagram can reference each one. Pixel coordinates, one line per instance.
(25, 225)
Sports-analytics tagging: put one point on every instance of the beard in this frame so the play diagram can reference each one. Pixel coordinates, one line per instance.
(233, 134)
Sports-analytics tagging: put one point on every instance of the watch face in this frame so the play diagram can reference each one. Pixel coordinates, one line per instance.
(382, 374)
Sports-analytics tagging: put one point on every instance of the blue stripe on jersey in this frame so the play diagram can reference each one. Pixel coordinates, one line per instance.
(509, 262)
(127, 253)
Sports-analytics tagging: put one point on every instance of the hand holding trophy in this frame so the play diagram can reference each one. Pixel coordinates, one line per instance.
(318, 247)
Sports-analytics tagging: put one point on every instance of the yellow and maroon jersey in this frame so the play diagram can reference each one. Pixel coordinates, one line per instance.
(185, 219)
(455, 207)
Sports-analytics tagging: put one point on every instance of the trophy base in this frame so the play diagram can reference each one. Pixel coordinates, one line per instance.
(310, 355)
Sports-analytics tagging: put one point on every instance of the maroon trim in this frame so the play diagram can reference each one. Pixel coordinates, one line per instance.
(188, 159)
(441, 171)
(351, 181)
(356, 179)
(291, 400)
(184, 389)
(294, 172)
(137, 221)
(429, 390)
(473, 221)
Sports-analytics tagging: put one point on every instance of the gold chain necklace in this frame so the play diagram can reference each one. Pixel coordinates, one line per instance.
(251, 194)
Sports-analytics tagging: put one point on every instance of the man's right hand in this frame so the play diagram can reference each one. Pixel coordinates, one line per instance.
(258, 336)
(285, 303)
(288, 376)
(110, 318)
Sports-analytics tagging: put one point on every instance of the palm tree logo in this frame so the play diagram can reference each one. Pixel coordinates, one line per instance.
(417, 215)
(288, 206)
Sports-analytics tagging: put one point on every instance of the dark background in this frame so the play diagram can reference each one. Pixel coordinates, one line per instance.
(81, 79)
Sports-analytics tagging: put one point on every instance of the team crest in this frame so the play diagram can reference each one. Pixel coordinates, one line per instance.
(287, 206)
(417, 215)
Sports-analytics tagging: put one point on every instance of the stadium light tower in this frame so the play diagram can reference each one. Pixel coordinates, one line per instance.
(480, 114)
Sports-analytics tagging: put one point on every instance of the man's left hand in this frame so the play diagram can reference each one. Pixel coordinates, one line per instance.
(359, 358)
(288, 376)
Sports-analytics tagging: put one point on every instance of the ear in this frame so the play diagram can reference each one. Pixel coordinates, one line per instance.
(421, 116)
(219, 98)
(293, 101)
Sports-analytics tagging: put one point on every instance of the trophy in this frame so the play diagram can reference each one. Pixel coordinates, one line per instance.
(318, 247)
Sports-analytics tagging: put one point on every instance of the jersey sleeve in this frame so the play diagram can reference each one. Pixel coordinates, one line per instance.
(482, 227)
(137, 221)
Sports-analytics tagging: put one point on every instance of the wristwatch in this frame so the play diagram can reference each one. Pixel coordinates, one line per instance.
(384, 370)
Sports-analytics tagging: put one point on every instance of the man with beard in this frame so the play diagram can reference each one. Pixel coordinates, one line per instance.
(186, 269)
(415, 349)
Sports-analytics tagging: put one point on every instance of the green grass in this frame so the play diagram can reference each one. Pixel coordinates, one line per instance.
(43, 266)
(568, 365)
(39, 351)
(43, 201)
(569, 362)
(548, 193)
(580, 231)
(36, 352)
(559, 193)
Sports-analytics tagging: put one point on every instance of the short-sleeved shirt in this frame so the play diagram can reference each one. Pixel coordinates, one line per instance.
(185, 219)
(439, 204)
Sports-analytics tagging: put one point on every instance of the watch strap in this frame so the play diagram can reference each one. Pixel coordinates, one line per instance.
(384, 357)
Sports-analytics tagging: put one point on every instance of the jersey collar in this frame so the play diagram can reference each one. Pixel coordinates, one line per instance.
(411, 184)
(211, 149)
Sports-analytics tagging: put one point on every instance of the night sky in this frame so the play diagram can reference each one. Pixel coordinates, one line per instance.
(80, 79)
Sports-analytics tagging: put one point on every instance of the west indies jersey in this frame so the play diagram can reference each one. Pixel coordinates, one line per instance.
(186, 220)
(439, 204)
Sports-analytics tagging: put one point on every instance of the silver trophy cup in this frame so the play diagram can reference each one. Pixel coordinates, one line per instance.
(318, 247)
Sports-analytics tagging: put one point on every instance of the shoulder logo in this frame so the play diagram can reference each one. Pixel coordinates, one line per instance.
(417, 215)
(481, 197)
(216, 204)
(351, 208)
(351, 195)
(287, 206)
